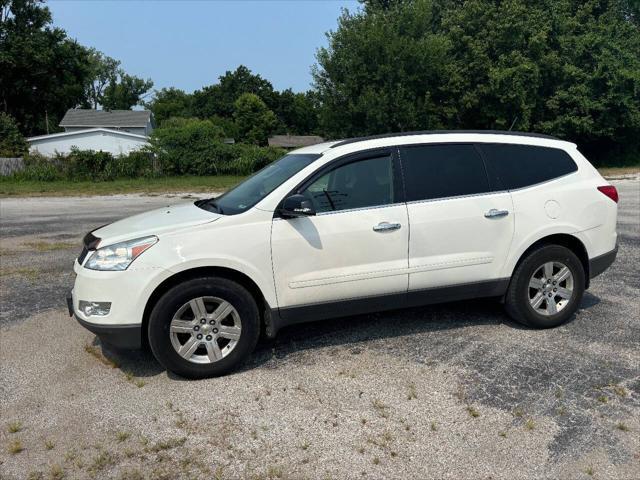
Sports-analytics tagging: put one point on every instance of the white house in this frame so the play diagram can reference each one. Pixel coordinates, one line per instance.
(116, 131)
(97, 139)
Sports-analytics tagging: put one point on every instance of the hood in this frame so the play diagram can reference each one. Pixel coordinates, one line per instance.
(154, 222)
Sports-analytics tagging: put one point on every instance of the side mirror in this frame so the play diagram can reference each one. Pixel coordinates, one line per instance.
(297, 206)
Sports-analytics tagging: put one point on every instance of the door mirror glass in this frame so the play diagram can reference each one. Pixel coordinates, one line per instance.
(297, 206)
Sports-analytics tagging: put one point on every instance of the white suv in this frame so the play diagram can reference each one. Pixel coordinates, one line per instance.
(351, 227)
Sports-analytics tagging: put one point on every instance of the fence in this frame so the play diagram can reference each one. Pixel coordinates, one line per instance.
(10, 165)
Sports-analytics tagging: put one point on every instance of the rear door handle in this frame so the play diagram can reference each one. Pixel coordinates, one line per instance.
(495, 213)
(386, 227)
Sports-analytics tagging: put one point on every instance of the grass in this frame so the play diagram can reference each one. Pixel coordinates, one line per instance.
(589, 471)
(15, 446)
(56, 472)
(473, 412)
(122, 436)
(617, 171)
(49, 445)
(14, 427)
(622, 427)
(412, 392)
(95, 352)
(30, 274)
(13, 188)
(42, 246)
(530, 424)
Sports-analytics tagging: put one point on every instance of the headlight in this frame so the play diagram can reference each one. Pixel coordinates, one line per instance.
(119, 255)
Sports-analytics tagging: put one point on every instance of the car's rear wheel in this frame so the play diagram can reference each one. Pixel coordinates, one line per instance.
(546, 288)
(204, 327)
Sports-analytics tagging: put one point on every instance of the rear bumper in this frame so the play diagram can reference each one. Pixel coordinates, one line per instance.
(128, 337)
(600, 263)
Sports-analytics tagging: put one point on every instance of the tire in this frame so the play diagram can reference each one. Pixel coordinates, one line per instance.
(527, 300)
(231, 321)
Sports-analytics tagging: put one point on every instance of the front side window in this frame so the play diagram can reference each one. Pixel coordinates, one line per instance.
(442, 171)
(360, 184)
(518, 166)
(258, 186)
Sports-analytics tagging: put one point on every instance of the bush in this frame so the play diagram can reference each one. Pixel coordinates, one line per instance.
(195, 147)
(12, 143)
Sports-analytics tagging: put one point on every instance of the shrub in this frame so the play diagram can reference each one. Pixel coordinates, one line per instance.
(12, 143)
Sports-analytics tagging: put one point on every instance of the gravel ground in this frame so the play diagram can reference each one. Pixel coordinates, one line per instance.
(448, 391)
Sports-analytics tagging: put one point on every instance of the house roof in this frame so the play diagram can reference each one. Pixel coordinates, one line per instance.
(89, 130)
(76, 117)
(294, 141)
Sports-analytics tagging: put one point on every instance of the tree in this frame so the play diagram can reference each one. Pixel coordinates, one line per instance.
(104, 70)
(125, 91)
(43, 73)
(297, 112)
(219, 99)
(565, 67)
(12, 143)
(170, 102)
(254, 120)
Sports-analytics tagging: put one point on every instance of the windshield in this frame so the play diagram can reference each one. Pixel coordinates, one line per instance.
(255, 188)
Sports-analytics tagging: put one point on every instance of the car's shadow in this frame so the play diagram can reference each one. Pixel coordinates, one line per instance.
(353, 331)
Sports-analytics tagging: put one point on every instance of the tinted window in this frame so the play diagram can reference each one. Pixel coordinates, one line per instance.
(440, 171)
(364, 183)
(517, 166)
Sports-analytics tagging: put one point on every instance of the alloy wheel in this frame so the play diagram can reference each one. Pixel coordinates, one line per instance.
(550, 288)
(205, 330)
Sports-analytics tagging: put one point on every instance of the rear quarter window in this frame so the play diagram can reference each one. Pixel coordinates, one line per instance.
(518, 166)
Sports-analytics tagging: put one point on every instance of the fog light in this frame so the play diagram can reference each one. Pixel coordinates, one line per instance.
(95, 309)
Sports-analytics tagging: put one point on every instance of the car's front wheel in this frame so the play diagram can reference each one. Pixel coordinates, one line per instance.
(546, 288)
(204, 327)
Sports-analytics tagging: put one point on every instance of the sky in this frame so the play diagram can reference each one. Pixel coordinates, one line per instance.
(189, 44)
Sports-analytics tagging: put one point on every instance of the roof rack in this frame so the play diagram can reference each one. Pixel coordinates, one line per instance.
(438, 132)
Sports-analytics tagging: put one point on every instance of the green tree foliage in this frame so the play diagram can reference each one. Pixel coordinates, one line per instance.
(12, 143)
(296, 112)
(254, 120)
(565, 67)
(195, 147)
(170, 102)
(41, 70)
(104, 70)
(124, 91)
(219, 99)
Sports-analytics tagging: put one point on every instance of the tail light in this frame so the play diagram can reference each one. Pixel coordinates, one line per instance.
(610, 191)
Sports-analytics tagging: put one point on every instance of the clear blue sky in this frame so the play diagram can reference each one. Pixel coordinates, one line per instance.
(189, 44)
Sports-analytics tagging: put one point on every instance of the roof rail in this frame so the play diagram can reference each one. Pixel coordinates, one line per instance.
(439, 132)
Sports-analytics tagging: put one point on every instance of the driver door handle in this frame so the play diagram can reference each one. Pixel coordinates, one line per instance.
(494, 213)
(386, 227)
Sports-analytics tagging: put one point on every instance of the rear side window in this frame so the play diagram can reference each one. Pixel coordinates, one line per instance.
(518, 166)
(441, 171)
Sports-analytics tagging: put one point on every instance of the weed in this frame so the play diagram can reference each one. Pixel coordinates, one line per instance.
(561, 410)
(122, 436)
(530, 424)
(381, 408)
(434, 426)
(622, 427)
(42, 246)
(376, 461)
(503, 434)
(15, 427)
(603, 399)
(361, 450)
(35, 475)
(15, 446)
(48, 444)
(168, 444)
(30, 274)
(134, 474)
(412, 392)
(473, 412)
(518, 412)
(56, 472)
(305, 445)
(274, 472)
(559, 393)
(589, 471)
(363, 421)
(620, 390)
(101, 461)
(95, 352)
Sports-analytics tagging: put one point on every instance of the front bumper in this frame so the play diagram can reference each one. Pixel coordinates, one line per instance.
(127, 337)
(600, 263)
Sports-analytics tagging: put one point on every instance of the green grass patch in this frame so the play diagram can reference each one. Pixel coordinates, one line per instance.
(15, 188)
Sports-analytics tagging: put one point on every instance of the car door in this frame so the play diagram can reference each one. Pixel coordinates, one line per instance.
(355, 246)
(460, 229)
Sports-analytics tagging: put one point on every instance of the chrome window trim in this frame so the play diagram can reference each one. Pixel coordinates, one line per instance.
(471, 195)
(360, 209)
